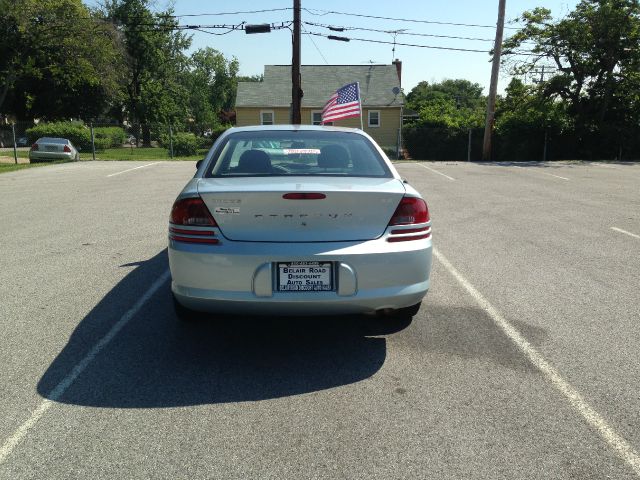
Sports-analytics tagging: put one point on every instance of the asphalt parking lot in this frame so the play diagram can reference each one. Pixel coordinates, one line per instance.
(522, 363)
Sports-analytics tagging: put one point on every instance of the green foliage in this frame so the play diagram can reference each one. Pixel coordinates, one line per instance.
(457, 104)
(79, 135)
(447, 111)
(212, 83)
(219, 130)
(595, 54)
(251, 78)
(424, 142)
(109, 136)
(204, 142)
(155, 63)
(56, 60)
(523, 118)
(184, 144)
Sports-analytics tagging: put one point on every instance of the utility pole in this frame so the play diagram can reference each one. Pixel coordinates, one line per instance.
(493, 88)
(296, 89)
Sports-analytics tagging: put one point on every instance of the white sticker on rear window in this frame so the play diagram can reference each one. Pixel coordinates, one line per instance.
(227, 210)
(301, 151)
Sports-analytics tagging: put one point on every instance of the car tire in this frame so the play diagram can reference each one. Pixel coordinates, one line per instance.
(77, 157)
(185, 314)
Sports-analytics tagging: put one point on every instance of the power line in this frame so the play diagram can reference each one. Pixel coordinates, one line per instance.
(411, 20)
(304, 31)
(201, 28)
(224, 13)
(416, 45)
(342, 28)
(214, 33)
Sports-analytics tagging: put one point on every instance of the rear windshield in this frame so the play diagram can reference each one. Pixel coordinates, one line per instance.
(300, 153)
(53, 140)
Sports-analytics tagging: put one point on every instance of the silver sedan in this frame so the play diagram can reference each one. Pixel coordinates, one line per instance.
(298, 220)
(50, 148)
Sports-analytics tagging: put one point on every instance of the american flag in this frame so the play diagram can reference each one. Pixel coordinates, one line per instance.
(345, 103)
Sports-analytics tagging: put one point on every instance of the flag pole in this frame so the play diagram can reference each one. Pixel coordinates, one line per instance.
(360, 104)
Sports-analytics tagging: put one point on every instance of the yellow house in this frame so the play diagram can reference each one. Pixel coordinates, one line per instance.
(269, 102)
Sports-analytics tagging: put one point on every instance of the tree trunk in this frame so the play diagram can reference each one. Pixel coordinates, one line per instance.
(5, 88)
(146, 135)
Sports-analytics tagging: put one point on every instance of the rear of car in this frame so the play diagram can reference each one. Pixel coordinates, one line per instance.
(298, 220)
(50, 148)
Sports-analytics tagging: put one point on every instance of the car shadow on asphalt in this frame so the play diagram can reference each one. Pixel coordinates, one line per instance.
(156, 361)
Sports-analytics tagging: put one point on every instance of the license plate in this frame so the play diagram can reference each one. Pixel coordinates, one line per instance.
(50, 148)
(305, 277)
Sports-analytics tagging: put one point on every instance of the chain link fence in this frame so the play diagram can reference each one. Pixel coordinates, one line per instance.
(429, 143)
(149, 141)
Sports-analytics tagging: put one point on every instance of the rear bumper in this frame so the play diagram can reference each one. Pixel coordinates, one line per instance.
(37, 155)
(241, 277)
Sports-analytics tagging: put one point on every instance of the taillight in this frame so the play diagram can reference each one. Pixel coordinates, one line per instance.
(34, 146)
(192, 212)
(67, 149)
(411, 211)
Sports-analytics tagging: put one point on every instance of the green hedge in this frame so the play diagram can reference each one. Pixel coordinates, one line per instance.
(79, 134)
(184, 144)
(112, 136)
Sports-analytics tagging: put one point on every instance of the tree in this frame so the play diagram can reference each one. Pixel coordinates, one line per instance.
(212, 83)
(251, 78)
(595, 51)
(57, 60)
(155, 62)
(450, 103)
(447, 110)
(525, 119)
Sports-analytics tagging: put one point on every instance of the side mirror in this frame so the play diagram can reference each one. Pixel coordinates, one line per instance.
(198, 163)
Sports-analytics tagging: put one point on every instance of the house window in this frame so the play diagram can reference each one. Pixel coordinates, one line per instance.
(316, 118)
(374, 118)
(266, 117)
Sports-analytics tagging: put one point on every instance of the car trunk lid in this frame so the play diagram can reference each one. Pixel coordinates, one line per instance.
(347, 209)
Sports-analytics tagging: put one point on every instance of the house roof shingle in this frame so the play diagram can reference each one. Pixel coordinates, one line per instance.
(318, 83)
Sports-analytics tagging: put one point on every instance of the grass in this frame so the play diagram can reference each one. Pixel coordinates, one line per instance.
(9, 153)
(141, 153)
(10, 167)
(112, 154)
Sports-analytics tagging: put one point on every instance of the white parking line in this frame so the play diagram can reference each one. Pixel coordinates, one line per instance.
(67, 381)
(579, 404)
(134, 168)
(625, 232)
(436, 171)
(550, 174)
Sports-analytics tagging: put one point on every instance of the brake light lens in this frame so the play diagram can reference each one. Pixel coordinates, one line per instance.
(66, 149)
(411, 210)
(34, 146)
(304, 196)
(191, 212)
